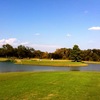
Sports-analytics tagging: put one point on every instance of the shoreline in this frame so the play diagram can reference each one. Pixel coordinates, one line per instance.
(48, 62)
(91, 62)
(55, 63)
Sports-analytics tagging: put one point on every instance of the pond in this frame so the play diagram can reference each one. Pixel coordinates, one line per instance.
(11, 67)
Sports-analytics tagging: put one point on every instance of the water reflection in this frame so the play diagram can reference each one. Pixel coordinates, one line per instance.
(74, 68)
(11, 67)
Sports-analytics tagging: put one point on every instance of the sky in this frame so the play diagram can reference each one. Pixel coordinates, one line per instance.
(50, 24)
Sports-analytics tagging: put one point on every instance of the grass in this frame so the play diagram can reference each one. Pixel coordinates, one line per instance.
(92, 62)
(50, 86)
(3, 59)
(47, 62)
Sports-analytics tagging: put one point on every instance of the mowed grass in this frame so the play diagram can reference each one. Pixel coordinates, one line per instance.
(50, 86)
(46, 62)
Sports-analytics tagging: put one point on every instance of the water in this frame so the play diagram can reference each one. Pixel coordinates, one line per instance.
(11, 67)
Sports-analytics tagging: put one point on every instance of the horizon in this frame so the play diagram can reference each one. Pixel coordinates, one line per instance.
(48, 51)
(48, 25)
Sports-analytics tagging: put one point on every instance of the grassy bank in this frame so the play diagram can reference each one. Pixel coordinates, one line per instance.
(50, 86)
(3, 59)
(92, 62)
(46, 62)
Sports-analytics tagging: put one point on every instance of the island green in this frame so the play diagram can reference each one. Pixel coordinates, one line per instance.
(45, 62)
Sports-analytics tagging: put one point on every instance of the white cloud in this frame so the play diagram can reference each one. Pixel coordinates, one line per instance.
(15, 42)
(11, 40)
(8, 41)
(24, 43)
(37, 34)
(49, 48)
(2, 41)
(68, 35)
(94, 28)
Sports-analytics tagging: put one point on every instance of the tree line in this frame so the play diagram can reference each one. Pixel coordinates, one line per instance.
(74, 53)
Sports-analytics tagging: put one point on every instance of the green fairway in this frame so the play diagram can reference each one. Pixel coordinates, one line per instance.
(47, 62)
(50, 86)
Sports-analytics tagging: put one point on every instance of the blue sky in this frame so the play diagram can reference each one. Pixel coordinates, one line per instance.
(50, 24)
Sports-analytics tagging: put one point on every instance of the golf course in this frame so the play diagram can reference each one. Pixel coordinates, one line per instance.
(50, 86)
(49, 49)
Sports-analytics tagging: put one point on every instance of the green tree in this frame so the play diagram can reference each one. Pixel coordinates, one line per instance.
(38, 54)
(45, 55)
(8, 50)
(75, 54)
(21, 51)
(63, 53)
(95, 57)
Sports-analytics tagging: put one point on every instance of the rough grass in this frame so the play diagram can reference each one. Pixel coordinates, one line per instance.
(50, 86)
(45, 62)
